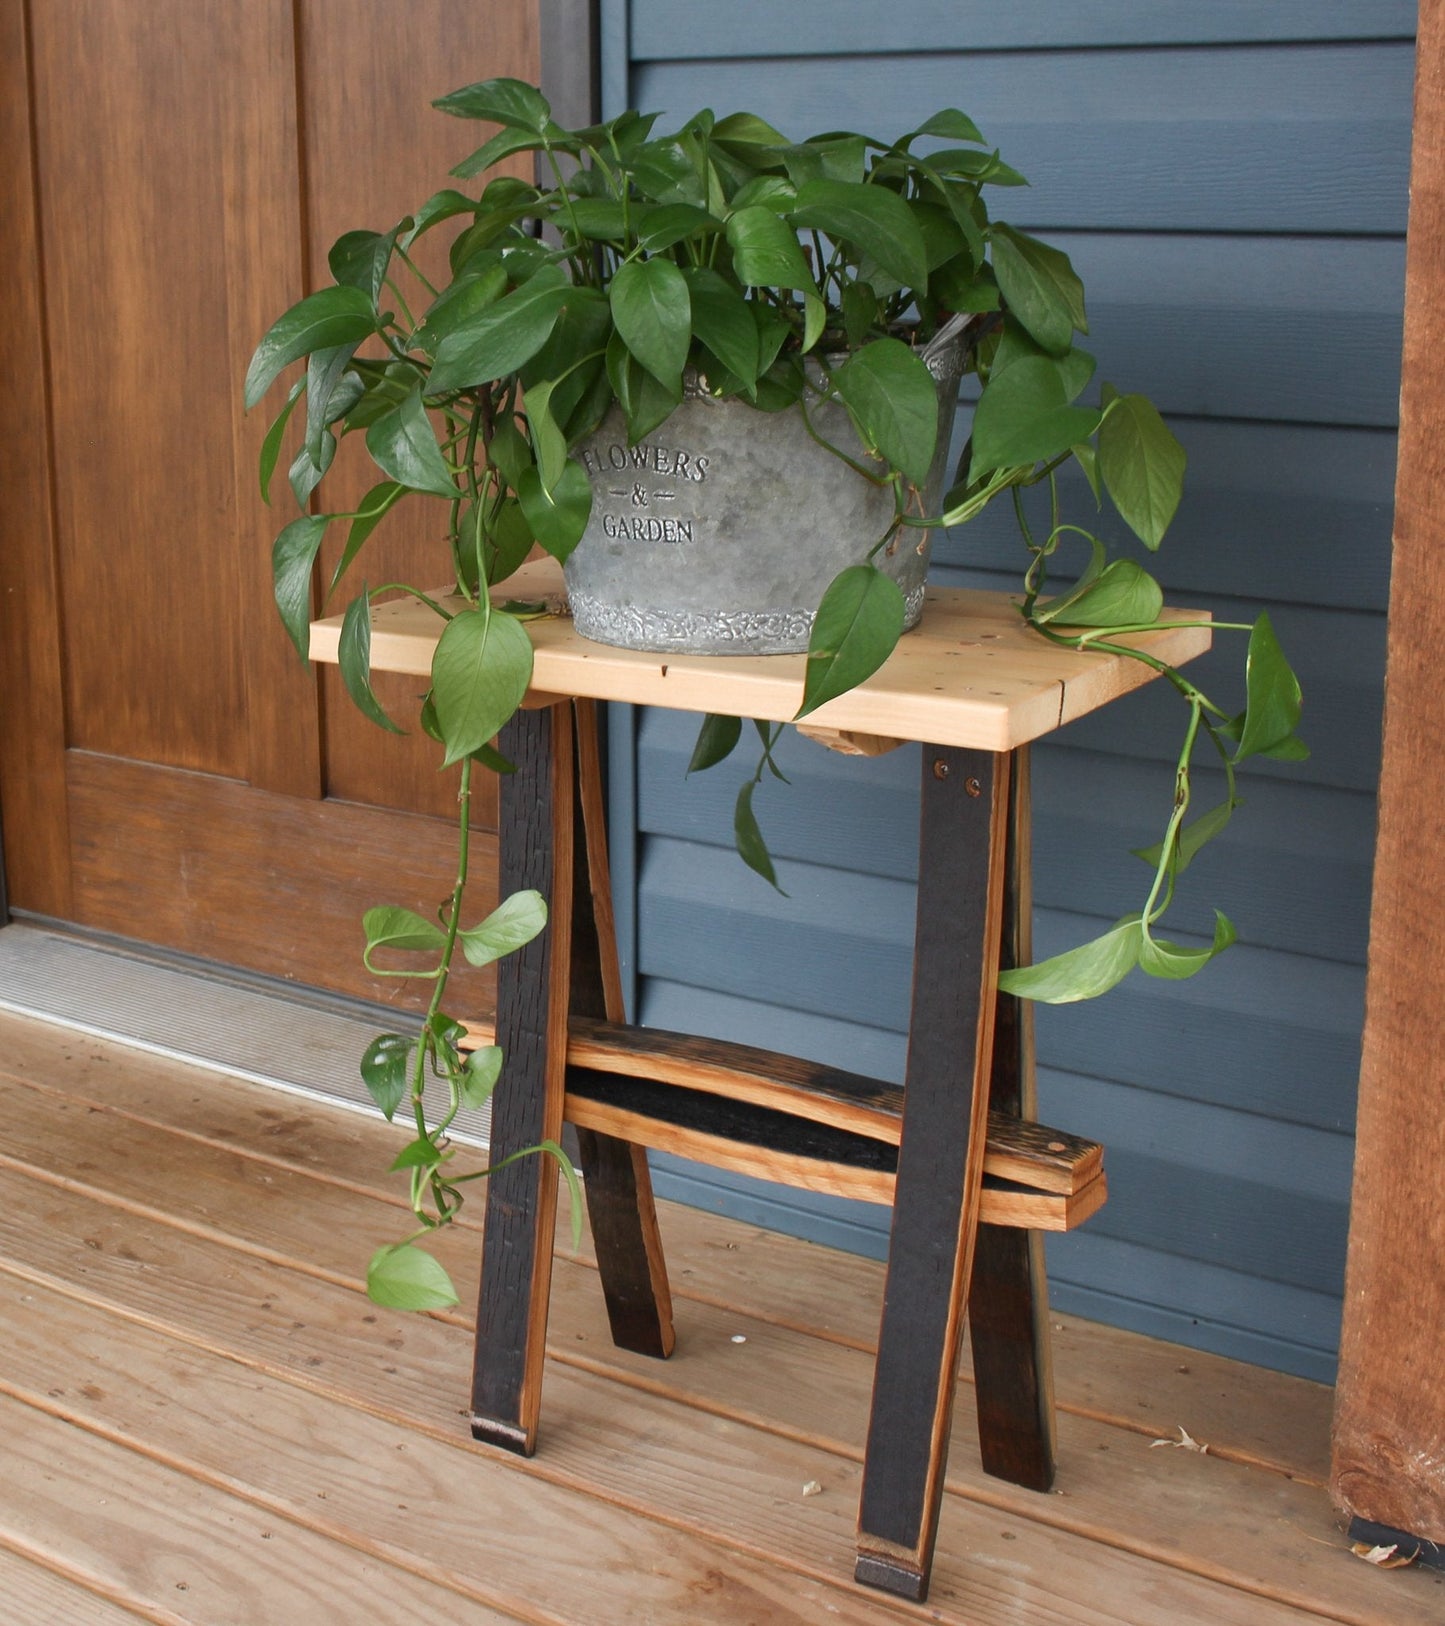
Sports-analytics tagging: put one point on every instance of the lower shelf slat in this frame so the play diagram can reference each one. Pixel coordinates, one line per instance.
(776, 1145)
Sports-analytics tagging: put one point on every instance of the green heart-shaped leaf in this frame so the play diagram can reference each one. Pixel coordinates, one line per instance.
(499, 339)
(1124, 594)
(509, 102)
(480, 672)
(747, 129)
(332, 390)
(1080, 973)
(482, 284)
(557, 517)
(385, 1071)
(396, 928)
(421, 1153)
(748, 836)
(514, 922)
(373, 508)
(1174, 962)
(601, 219)
(723, 320)
(293, 554)
(858, 625)
(893, 401)
(479, 1077)
(1142, 466)
(360, 259)
(874, 220)
(951, 125)
(1023, 417)
(402, 1277)
(652, 310)
(1191, 838)
(715, 741)
(330, 317)
(644, 401)
(1273, 702)
(440, 206)
(1039, 286)
(766, 252)
(403, 445)
(354, 660)
(1075, 366)
(271, 446)
(659, 228)
(502, 145)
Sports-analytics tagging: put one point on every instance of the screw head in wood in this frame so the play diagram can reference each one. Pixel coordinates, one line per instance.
(940, 768)
(973, 787)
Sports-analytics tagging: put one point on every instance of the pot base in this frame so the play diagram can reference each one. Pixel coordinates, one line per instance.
(706, 632)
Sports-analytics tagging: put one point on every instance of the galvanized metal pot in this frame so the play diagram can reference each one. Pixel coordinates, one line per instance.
(720, 532)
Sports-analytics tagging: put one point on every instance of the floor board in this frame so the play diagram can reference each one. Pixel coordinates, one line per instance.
(41, 1597)
(180, 1263)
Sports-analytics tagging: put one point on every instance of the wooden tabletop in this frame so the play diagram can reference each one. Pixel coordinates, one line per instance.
(971, 675)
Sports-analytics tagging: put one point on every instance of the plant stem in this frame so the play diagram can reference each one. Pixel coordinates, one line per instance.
(422, 1178)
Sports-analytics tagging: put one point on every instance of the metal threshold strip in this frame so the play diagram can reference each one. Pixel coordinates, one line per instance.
(202, 1018)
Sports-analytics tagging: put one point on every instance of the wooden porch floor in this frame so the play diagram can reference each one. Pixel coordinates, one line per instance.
(204, 1420)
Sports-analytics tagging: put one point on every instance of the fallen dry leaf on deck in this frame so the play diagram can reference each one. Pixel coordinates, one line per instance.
(1185, 1442)
(1388, 1558)
(812, 1488)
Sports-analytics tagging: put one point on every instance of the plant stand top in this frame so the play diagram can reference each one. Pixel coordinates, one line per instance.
(972, 674)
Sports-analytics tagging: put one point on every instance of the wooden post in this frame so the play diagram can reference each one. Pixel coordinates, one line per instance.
(620, 1204)
(1008, 1306)
(536, 826)
(1389, 1433)
(940, 1164)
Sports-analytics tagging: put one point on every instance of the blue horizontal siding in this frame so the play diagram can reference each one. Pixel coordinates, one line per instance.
(678, 29)
(1340, 658)
(1265, 1032)
(1258, 498)
(1284, 328)
(1180, 1293)
(1232, 182)
(1315, 139)
(831, 1040)
(1293, 871)
(1191, 1301)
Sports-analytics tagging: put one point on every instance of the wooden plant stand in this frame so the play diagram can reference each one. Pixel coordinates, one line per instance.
(973, 1180)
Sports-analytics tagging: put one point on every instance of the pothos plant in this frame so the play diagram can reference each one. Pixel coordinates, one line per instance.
(726, 252)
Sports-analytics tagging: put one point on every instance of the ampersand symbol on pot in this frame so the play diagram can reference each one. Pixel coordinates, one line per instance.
(639, 497)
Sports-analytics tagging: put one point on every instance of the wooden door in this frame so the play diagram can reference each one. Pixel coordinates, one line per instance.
(174, 173)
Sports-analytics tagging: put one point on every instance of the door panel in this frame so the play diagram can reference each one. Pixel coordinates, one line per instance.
(32, 696)
(169, 770)
(140, 400)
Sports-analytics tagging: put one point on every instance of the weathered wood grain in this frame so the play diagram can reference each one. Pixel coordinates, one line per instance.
(962, 844)
(972, 674)
(1274, 1421)
(41, 1596)
(1023, 1152)
(139, 1528)
(274, 884)
(620, 1205)
(328, 1339)
(32, 733)
(1389, 1441)
(1008, 1301)
(1180, 1514)
(535, 840)
(198, 1407)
